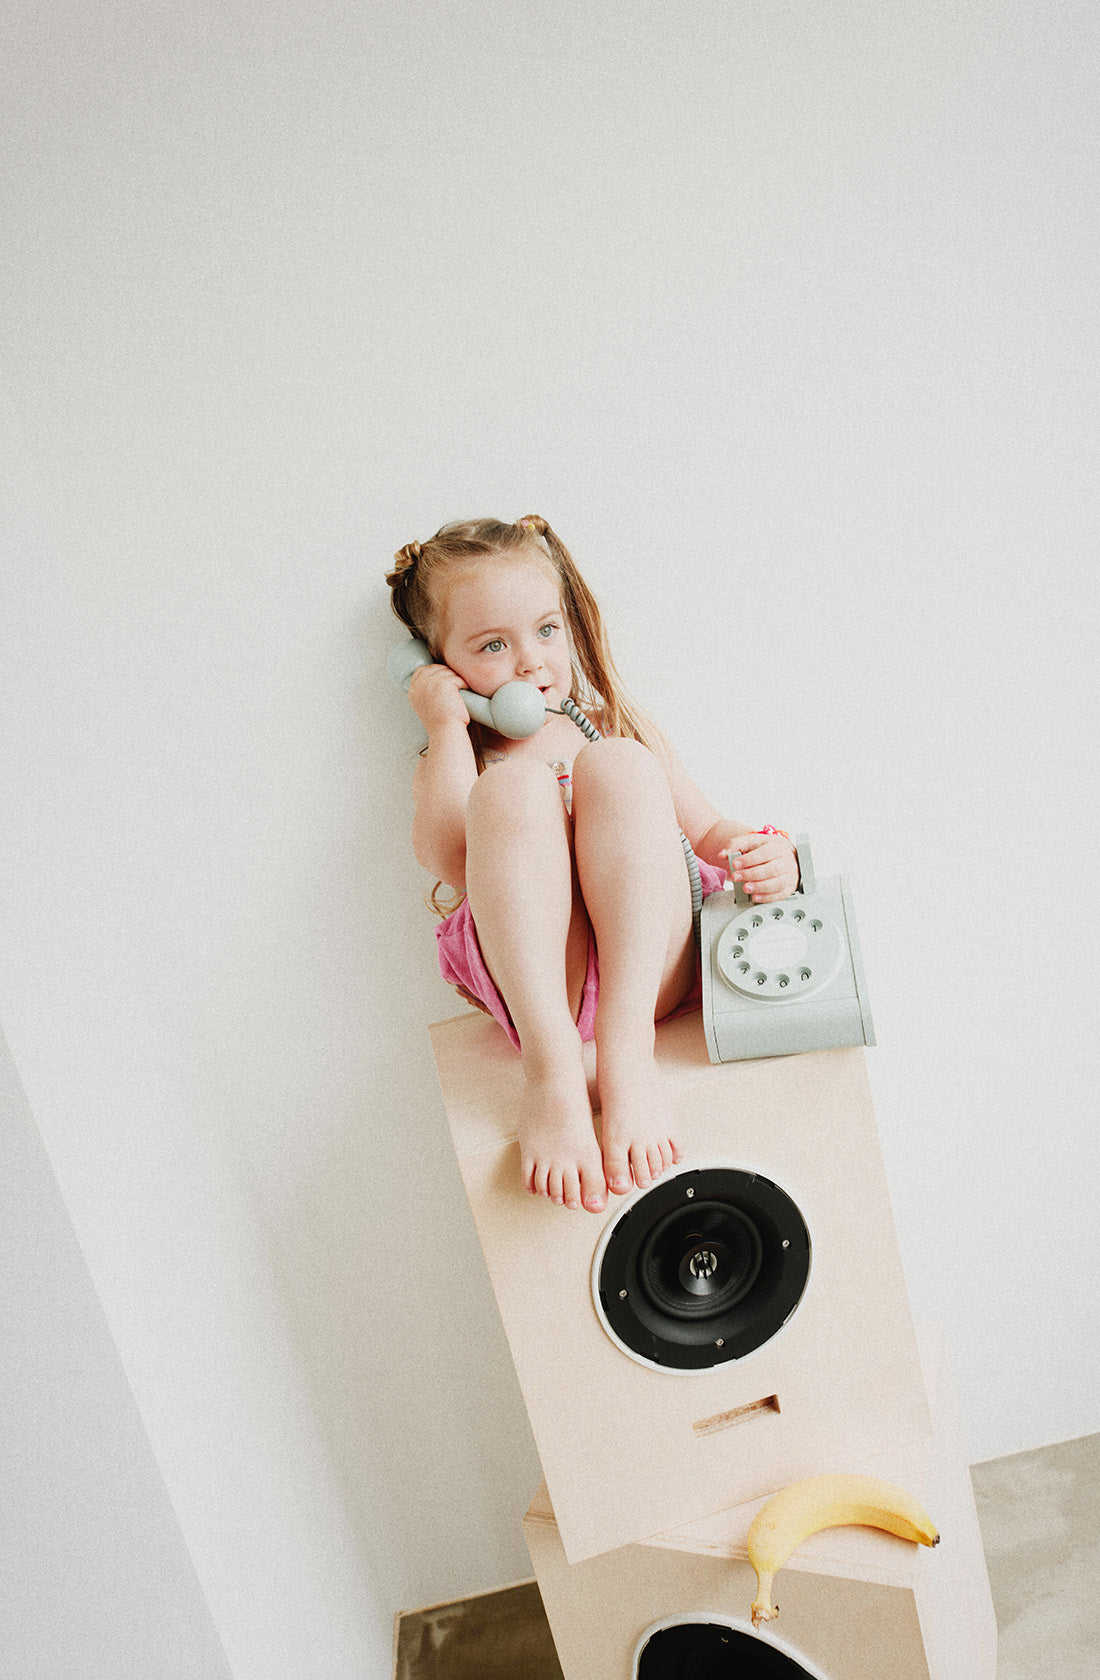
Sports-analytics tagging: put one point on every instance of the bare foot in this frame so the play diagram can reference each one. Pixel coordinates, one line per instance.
(635, 1124)
(558, 1148)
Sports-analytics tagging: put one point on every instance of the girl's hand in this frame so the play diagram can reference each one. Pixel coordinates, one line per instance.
(435, 695)
(766, 865)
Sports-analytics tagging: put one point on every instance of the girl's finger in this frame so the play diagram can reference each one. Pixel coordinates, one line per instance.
(764, 869)
(764, 851)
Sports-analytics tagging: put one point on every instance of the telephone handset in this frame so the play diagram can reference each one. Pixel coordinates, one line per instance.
(517, 710)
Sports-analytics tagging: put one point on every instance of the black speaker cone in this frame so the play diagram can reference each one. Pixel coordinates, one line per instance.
(713, 1651)
(700, 1259)
(703, 1268)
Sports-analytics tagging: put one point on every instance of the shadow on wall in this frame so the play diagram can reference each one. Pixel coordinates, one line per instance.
(378, 1265)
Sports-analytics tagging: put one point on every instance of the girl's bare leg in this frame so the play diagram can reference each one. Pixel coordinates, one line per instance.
(630, 863)
(533, 932)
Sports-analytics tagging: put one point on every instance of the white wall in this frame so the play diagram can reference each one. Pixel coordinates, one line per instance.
(785, 317)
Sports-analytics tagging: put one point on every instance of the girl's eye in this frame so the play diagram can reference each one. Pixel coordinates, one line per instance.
(548, 630)
(494, 646)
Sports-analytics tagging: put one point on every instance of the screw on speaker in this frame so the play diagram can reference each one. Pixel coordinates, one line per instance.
(705, 1267)
(712, 1648)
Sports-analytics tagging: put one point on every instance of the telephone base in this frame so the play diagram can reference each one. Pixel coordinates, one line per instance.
(779, 979)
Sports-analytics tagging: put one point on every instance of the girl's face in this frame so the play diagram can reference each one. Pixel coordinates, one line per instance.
(502, 621)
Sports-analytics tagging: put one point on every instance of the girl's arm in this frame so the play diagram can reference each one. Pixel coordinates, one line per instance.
(767, 868)
(445, 773)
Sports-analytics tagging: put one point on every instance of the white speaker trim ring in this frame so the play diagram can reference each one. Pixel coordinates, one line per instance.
(627, 1203)
(697, 1618)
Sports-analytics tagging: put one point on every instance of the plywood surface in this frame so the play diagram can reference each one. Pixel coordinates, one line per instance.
(845, 1368)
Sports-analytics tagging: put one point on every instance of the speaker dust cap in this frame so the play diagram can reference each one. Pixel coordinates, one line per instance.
(703, 1268)
(706, 1648)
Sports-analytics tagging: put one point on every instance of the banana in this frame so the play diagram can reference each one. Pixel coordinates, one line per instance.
(798, 1511)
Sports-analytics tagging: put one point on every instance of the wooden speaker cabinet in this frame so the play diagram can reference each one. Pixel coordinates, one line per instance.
(719, 1335)
(854, 1604)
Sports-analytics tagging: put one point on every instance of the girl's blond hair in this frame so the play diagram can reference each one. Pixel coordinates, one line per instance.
(420, 570)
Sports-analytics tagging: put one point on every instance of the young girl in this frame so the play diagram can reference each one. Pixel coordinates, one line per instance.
(576, 921)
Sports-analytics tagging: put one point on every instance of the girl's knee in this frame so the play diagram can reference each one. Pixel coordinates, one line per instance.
(514, 775)
(517, 790)
(621, 777)
(618, 759)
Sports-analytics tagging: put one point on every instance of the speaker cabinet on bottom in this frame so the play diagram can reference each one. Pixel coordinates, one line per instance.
(716, 1336)
(854, 1604)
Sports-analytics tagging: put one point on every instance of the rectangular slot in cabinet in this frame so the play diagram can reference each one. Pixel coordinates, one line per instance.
(738, 1414)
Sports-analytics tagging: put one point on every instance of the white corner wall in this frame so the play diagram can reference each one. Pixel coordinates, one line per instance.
(95, 1579)
(785, 317)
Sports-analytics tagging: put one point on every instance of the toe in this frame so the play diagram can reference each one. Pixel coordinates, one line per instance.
(536, 1179)
(639, 1160)
(617, 1170)
(593, 1190)
(571, 1187)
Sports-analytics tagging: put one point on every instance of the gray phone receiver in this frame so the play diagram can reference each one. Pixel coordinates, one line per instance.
(517, 710)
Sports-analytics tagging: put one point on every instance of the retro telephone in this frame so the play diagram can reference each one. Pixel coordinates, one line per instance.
(782, 978)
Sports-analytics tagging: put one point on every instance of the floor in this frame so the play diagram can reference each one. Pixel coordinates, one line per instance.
(1040, 1517)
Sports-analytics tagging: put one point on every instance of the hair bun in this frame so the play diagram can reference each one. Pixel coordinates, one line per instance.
(406, 557)
(535, 522)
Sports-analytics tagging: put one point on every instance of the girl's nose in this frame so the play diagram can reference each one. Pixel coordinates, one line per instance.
(528, 661)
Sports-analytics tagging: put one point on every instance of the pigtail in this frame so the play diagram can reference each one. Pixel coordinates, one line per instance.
(406, 587)
(405, 558)
(602, 687)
